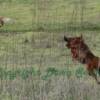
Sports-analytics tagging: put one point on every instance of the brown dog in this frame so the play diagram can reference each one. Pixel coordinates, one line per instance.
(81, 52)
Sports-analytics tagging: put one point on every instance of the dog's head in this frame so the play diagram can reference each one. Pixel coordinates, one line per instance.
(73, 42)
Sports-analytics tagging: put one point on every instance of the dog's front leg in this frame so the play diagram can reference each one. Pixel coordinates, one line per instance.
(93, 74)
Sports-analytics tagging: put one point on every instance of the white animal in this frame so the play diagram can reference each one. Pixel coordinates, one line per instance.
(5, 20)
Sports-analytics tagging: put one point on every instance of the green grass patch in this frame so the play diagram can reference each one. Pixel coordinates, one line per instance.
(25, 73)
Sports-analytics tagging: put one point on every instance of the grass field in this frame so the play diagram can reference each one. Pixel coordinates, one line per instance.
(51, 15)
(34, 62)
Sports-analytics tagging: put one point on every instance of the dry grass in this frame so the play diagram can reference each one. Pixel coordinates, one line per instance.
(57, 88)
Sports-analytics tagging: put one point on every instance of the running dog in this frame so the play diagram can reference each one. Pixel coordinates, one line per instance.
(81, 52)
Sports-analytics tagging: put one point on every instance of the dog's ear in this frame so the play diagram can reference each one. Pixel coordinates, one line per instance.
(65, 39)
